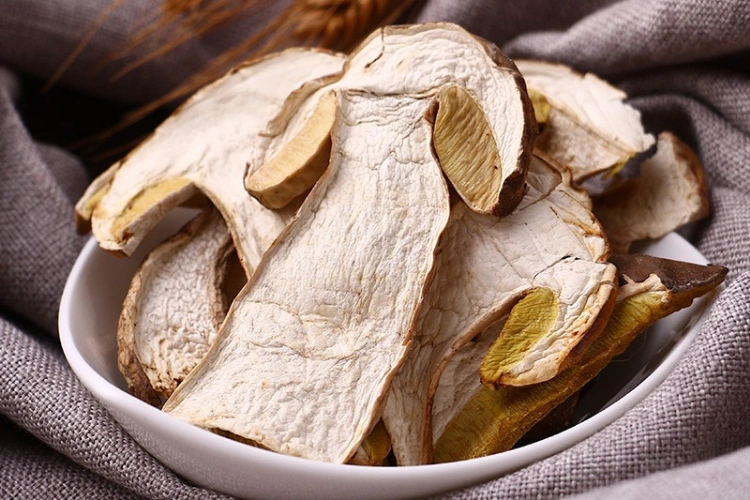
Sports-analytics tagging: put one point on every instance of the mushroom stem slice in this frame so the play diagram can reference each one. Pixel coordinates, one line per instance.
(494, 420)
(669, 193)
(172, 314)
(304, 360)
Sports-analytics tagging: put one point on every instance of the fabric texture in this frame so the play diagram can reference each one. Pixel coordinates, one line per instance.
(686, 66)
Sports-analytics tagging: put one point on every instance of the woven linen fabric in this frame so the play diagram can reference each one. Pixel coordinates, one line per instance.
(686, 66)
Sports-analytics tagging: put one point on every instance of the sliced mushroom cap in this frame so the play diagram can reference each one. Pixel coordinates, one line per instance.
(494, 420)
(303, 362)
(669, 193)
(176, 300)
(473, 92)
(589, 127)
(484, 266)
(203, 146)
(684, 281)
(174, 307)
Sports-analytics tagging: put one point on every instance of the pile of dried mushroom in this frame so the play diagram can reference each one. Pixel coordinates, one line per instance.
(425, 274)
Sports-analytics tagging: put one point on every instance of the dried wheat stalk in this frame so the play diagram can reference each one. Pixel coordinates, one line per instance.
(333, 24)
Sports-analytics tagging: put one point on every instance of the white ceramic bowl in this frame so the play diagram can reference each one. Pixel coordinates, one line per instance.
(88, 321)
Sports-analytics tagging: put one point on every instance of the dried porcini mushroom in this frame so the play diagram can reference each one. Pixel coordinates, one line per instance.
(202, 147)
(467, 149)
(459, 380)
(473, 92)
(651, 288)
(589, 127)
(560, 418)
(484, 266)
(176, 301)
(669, 193)
(374, 295)
(530, 320)
(174, 307)
(303, 362)
(173, 311)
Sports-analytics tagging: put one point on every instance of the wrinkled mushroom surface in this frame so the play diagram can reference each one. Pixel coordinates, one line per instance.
(176, 302)
(459, 381)
(304, 359)
(174, 307)
(485, 265)
(493, 420)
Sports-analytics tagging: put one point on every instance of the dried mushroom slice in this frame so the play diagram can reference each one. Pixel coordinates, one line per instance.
(669, 193)
(203, 146)
(467, 150)
(303, 362)
(484, 266)
(176, 301)
(494, 420)
(174, 307)
(173, 311)
(589, 127)
(484, 121)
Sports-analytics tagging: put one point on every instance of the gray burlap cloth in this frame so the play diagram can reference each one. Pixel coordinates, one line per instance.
(686, 64)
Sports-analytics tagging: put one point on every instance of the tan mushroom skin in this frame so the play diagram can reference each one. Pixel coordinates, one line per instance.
(669, 193)
(471, 420)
